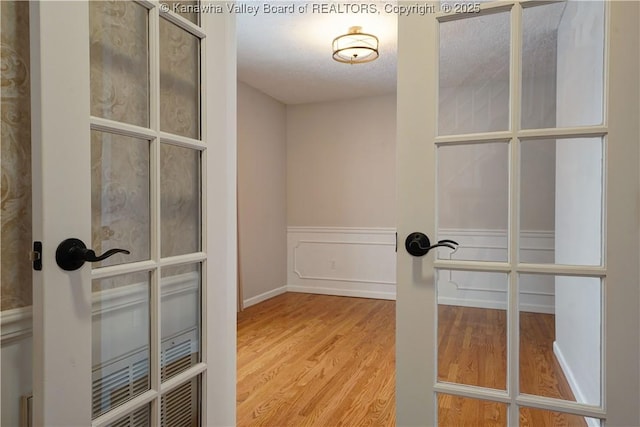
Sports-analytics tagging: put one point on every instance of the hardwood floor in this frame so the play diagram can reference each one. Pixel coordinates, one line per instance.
(472, 345)
(317, 360)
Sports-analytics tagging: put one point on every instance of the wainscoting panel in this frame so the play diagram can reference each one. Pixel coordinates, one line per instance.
(342, 261)
(361, 262)
(488, 290)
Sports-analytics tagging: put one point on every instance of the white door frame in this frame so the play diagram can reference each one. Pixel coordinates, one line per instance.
(416, 317)
(61, 206)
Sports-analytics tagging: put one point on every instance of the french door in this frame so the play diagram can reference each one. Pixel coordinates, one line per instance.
(134, 158)
(518, 148)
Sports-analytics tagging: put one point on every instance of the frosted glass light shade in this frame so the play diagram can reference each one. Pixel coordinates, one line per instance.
(355, 47)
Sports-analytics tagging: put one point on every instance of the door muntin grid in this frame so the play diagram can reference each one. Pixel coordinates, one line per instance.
(184, 148)
(517, 263)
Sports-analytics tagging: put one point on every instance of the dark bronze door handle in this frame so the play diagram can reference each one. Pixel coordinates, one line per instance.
(73, 253)
(418, 244)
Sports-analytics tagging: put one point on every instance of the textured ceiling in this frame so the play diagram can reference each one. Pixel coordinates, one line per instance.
(288, 55)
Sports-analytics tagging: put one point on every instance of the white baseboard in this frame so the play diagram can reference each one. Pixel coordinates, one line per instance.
(494, 304)
(358, 293)
(342, 292)
(573, 383)
(264, 296)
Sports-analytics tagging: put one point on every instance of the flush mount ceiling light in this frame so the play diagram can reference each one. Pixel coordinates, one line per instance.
(355, 47)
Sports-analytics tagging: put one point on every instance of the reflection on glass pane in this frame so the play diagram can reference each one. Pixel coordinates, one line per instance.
(563, 64)
(181, 320)
(560, 338)
(180, 200)
(179, 81)
(472, 328)
(464, 411)
(531, 417)
(186, 8)
(181, 406)
(120, 340)
(119, 61)
(473, 205)
(139, 418)
(474, 75)
(120, 197)
(561, 201)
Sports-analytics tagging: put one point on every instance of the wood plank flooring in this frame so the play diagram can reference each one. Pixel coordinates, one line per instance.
(317, 360)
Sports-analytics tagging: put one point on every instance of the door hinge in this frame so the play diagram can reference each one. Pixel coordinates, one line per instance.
(396, 241)
(36, 256)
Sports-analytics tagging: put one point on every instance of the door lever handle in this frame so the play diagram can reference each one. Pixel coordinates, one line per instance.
(418, 244)
(73, 253)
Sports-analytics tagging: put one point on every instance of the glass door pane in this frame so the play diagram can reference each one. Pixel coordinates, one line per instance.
(464, 411)
(181, 319)
(472, 328)
(563, 64)
(473, 200)
(561, 199)
(181, 406)
(474, 80)
(139, 418)
(180, 200)
(179, 81)
(121, 351)
(119, 61)
(530, 417)
(120, 197)
(561, 337)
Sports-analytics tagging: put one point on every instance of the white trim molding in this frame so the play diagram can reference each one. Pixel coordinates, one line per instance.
(264, 296)
(489, 290)
(16, 324)
(342, 230)
(578, 393)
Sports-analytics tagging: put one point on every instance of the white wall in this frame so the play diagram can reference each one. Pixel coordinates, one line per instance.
(341, 163)
(579, 198)
(341, 197)
(261, 194)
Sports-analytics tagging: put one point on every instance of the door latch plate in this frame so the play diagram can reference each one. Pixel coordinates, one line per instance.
(36, 256)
